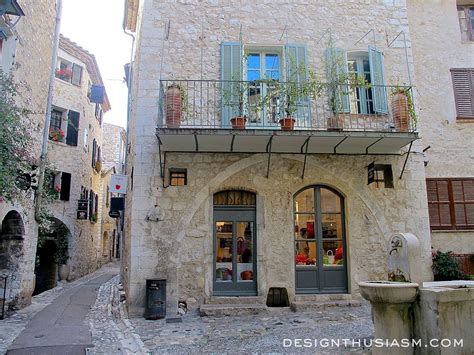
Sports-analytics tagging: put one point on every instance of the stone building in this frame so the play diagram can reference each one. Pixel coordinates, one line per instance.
(221, 212)
(75, 158)
(446, 103)
(26, 50)
(114, 160)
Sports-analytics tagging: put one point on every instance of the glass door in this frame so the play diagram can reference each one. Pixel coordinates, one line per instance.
(319, 237)
(263, 71)
(234, 252)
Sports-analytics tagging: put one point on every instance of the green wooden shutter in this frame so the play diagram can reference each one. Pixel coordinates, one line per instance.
(336, 67)
(379, 90)
(72, 128)
(296, 60)
(231, 70)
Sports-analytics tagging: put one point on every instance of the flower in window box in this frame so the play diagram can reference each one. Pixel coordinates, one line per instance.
(56, 135)
(64, 74)
(301, 259)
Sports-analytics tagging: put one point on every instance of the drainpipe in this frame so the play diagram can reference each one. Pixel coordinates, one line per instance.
(129, 99)
(44, 148)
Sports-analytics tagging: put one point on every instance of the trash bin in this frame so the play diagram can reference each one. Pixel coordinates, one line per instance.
(155, 299)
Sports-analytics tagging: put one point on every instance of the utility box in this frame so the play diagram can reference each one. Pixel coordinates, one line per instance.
(155, 299)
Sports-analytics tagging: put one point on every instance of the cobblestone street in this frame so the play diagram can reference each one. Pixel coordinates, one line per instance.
(112, 333)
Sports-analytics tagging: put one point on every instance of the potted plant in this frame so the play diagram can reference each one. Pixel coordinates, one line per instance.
(290, 92)
(445, 266)
(402, 108)
(233, 96)
(56, 135)
(94, 217)
(175, 103)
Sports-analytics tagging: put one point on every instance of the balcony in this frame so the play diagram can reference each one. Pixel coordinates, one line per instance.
(198, 116)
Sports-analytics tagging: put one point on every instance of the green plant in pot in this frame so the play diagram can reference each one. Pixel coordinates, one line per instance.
(403, 110)
(233, 97)
(445, 266)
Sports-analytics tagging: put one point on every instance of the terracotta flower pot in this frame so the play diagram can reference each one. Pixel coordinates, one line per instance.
(400, 111)
(287, 124)
(335, 123)
(174, 107)
(64, 271)
(238, 122)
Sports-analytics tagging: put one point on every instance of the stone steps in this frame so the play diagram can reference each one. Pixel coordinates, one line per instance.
(304, 306)
(237, 300)
(221, 310)
(323, 297)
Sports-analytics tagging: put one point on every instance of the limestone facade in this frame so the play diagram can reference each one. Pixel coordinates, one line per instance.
(77, 158)
(169, 229)
(26, 52)
(438, 47)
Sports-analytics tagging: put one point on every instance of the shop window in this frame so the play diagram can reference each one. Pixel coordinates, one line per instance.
(178, 177)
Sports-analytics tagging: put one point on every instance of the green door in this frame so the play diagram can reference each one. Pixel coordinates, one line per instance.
(235, 267)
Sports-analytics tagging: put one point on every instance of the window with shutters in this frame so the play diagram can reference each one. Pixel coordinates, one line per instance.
(463, 86)
(69, 72)
(466, 22)
(451, 203)
(72, 128)
(65, 186)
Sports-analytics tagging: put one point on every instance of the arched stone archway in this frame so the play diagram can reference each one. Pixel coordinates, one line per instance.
(11, 242)
(52, 251)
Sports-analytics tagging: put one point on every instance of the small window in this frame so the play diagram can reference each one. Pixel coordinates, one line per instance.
(70, 72)
(466, 22)
(383, 176)
(56, 119)
(451, 203)
(178, 177)
(463, 87)
(65, 187)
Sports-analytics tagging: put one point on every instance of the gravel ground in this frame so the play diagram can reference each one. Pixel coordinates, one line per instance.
(257, 333)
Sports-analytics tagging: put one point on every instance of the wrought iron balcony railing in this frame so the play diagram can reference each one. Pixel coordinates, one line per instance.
(264, 104)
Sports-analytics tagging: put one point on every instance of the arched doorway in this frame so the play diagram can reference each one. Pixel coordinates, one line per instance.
(235, 242)
(52, 250)
(320, 241)
(11, 242)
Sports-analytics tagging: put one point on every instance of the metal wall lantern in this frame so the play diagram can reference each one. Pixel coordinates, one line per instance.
(10, 7)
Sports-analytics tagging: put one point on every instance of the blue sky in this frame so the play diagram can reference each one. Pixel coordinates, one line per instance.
(96, 25)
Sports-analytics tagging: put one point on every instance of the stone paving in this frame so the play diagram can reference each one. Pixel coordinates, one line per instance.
(113, 333)
(257, 333)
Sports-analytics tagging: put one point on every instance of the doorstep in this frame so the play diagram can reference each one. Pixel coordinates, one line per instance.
(303, 303)
(233, 309)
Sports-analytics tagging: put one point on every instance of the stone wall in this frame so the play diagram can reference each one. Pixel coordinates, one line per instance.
(30, 57)
(179, 246)
(113, 146)
(85, 245)
(437, 48)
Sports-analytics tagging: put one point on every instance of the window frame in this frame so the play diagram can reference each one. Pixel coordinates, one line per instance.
(470, 78)
(71, 68)
(176, 179)
(451, 204)
(468, 21)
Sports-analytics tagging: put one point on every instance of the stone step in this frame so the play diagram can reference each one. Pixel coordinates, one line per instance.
(236, 300)
(323, 297)
(221, 310)
(304, 306)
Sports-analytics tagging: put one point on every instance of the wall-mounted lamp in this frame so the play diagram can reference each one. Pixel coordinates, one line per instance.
(10, 7)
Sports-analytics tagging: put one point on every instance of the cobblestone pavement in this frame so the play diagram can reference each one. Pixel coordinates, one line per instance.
(257, 333)
(12, 326)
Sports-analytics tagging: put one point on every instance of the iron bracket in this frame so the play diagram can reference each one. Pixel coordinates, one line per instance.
(269, 151)
(306, 143)
(406, 160)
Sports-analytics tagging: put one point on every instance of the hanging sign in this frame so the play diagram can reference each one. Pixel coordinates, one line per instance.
(82, 206)
(118, 184)
(114, 214)
(370, 173)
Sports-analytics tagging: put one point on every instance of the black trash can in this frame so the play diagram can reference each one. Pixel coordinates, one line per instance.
(155, 299)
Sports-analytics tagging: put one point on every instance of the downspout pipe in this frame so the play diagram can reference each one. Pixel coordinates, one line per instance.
(47, 121)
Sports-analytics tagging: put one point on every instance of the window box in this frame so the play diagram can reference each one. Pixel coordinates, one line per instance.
(56, 135)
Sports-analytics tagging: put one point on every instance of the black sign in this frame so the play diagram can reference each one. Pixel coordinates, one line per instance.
(82, 207)
(114, 214)
(370, 173)
(81, 214)
(117, 203)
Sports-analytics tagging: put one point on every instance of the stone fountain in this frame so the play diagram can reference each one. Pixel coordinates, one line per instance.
(392, 301)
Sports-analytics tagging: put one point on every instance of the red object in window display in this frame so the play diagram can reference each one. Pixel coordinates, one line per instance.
(339, 253)
(310, 229)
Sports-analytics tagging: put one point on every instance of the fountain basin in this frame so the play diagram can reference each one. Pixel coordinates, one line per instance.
(389, 291)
